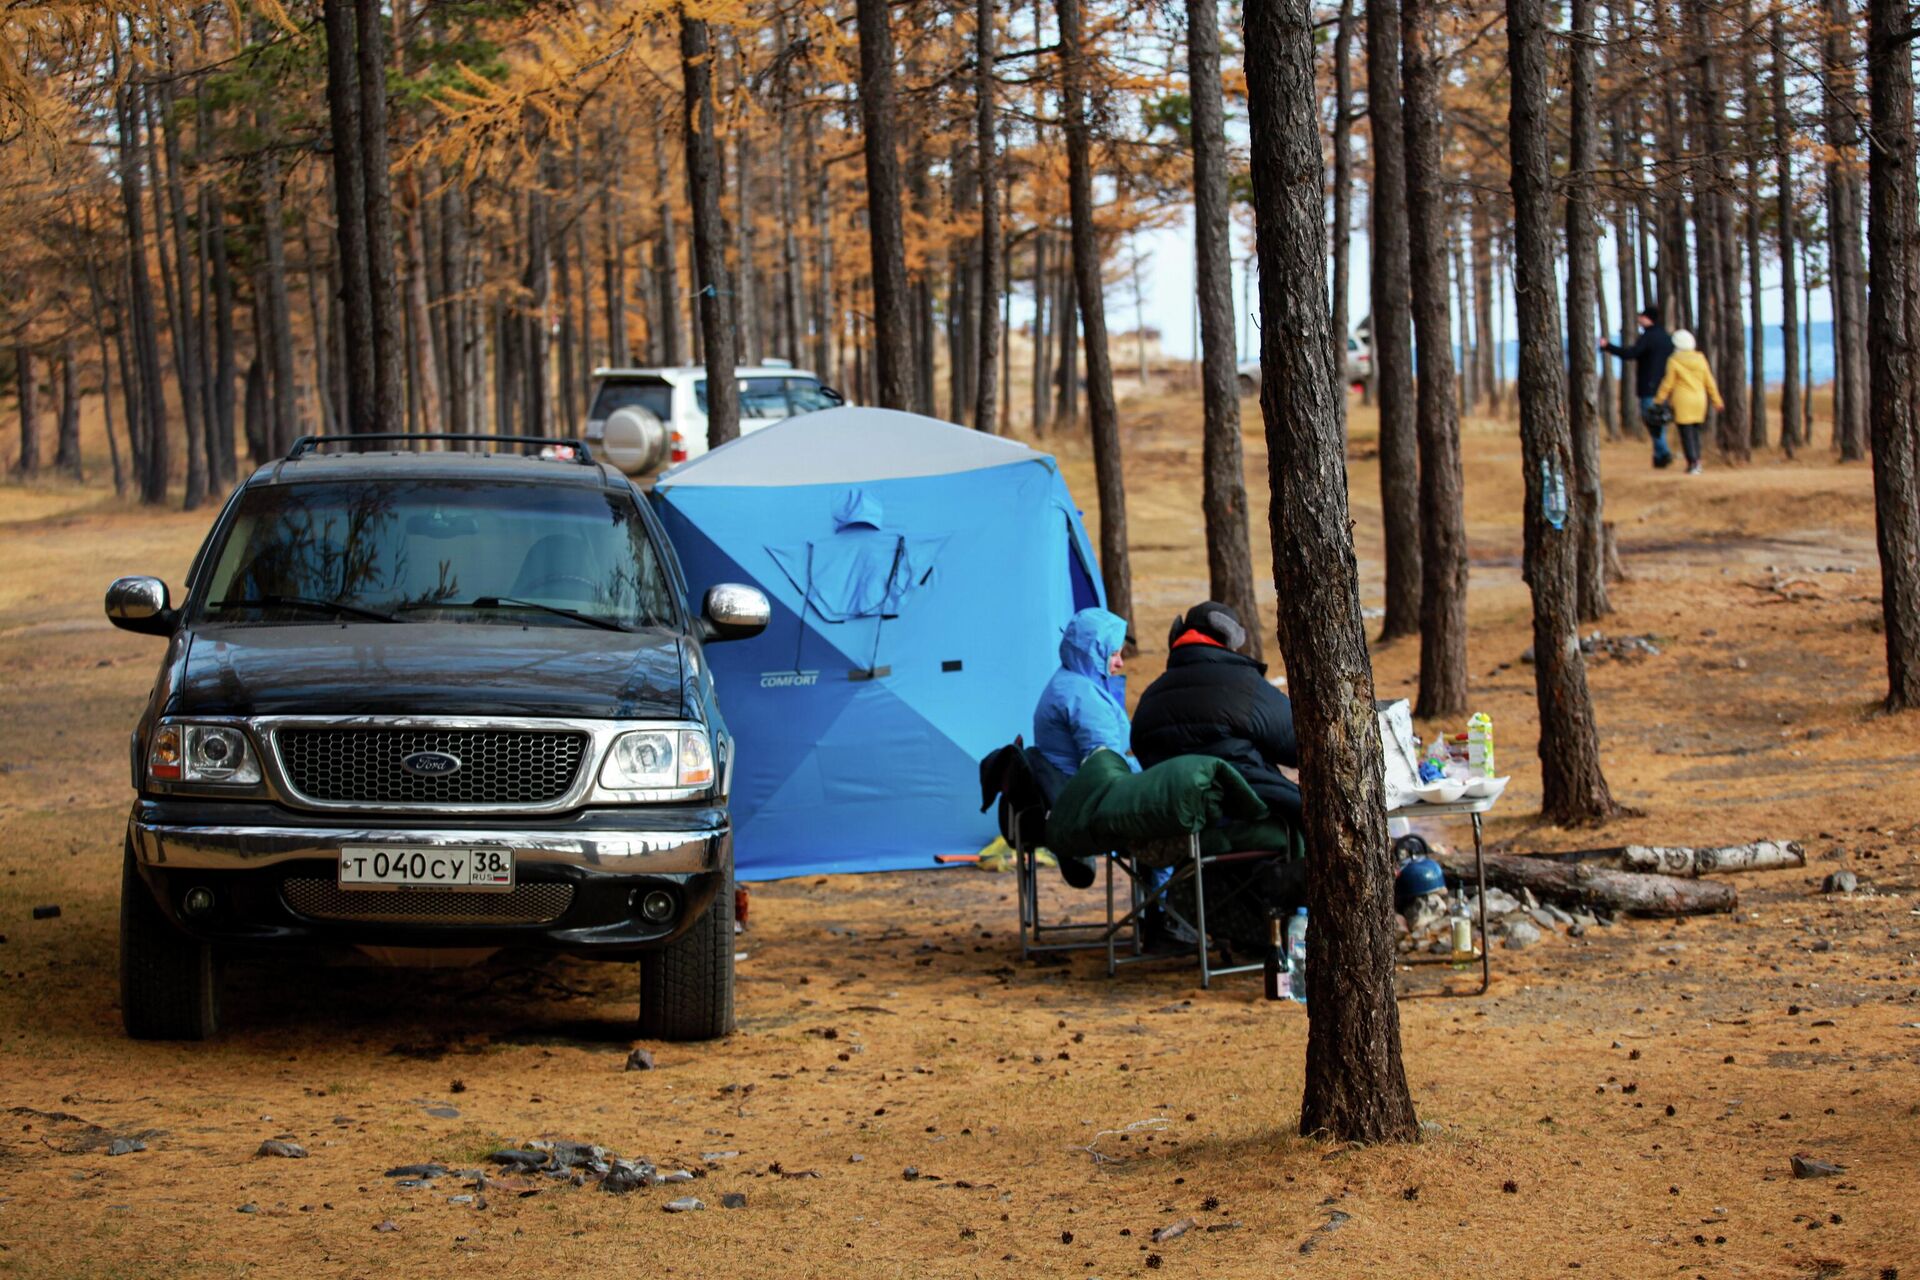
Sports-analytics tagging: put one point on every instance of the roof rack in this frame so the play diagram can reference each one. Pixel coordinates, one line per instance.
(582, 453)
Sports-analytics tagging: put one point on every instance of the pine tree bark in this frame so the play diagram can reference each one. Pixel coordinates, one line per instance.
(1356, 1085)
(27, 391)
(1892, 187)
(1392, 325)
(423, 372)
(1792, 420)
(1752, 120)
(986, 396)
(892, 317)
(1583, 267)
(1725, 330)
(279, 315)
(178, 277)
(66, 451)
(1342, 234)
(1442, 518)
(709, 234)
(1574, 788)
(665, 339)
(745, 304)
(1625, 277)
(361, 410)
(1484, 352)
(1224, 490)
(389, 386)
(1847, 269)
(1103, 414)
(222, 448)
(1042, 334)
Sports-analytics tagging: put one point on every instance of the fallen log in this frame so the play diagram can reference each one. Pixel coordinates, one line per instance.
(1582, 884)
(1686, 860)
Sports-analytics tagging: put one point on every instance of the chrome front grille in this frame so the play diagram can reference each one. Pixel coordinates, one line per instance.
(523, 904)
(507, 767)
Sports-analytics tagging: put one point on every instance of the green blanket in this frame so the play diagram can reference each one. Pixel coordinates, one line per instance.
(1107, 806)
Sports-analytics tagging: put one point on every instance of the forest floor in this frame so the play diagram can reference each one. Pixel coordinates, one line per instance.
(907, 1098)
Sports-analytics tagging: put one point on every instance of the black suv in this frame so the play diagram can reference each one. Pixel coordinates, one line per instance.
(429, 705)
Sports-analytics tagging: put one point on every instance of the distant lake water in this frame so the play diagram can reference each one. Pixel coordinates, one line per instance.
(1821, 353)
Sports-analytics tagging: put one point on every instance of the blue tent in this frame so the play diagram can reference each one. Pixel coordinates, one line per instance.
(921, 575)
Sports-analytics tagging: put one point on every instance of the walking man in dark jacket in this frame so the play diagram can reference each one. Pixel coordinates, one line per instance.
(1215, 702)
(1649, 354)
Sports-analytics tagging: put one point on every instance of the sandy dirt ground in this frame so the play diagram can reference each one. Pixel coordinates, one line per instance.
(906, 1097)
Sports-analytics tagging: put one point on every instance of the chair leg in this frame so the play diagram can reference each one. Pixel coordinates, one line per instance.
(1111, 966)
(1200, 908)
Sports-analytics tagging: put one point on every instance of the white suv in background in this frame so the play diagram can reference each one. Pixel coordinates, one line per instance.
(1359, 367)
(678, 397)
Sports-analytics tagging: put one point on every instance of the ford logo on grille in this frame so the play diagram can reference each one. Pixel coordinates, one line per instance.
(430, 764)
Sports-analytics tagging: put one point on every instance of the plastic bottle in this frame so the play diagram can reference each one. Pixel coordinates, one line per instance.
(1462, 924)
(1279, 984)
(1297, 955)
(1434, 767)
(1553, 494)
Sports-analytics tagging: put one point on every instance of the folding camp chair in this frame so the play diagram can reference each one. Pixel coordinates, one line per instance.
(1193, 866)
(1026, 785)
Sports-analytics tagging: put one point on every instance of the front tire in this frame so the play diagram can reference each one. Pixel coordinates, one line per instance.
(169, 989)
(686, 988)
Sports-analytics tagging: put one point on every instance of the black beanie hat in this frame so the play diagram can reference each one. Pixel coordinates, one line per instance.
(1213, 620)
(1652, 314)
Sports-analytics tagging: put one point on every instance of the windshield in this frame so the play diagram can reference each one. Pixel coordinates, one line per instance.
(655, 396)
(485, 551)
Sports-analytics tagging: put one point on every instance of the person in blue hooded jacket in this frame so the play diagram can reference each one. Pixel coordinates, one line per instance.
(1081, 709)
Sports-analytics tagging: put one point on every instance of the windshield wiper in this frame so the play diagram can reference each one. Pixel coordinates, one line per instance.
(305, 602)
(508, 602)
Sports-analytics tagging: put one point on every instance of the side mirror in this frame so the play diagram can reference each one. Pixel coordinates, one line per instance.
(734, 612)
(833, 397)
(141, 605)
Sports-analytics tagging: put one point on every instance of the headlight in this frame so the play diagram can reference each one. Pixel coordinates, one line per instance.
(201, 753)
(655, 759)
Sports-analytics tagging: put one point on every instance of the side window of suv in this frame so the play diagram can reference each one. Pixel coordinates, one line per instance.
(806, 396)
(762, 398)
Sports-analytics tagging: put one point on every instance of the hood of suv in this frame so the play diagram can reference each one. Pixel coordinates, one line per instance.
(430, 669)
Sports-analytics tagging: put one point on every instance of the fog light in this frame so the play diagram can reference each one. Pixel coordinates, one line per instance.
(657, 906)
(198, 902)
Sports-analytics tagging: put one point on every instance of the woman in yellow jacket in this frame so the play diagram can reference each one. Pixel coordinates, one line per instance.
(1688, 387)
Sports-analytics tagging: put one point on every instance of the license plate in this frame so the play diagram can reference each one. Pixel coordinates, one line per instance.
(425, 867)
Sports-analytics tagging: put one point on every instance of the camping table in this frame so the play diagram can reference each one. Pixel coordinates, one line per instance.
(1460, 809)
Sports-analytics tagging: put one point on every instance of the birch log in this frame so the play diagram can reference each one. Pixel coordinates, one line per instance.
(1683, 860)
(1584, 884)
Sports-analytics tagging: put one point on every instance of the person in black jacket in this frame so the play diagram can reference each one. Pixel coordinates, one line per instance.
(1215, 702)
(1649, 354)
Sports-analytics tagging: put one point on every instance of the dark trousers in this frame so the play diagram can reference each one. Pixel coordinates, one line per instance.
(1661, 454)
(1690, 440)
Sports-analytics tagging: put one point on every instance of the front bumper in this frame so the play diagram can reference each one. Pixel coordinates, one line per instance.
(267, 868)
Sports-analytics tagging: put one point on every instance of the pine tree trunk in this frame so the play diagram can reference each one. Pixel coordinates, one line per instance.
(613, 273)
(27, 392)
(97, 309)
(1356, 1085)
(176, 275)
(1846, 269)
(1066, 378)
(1392, 326)
(826, 324)
(1342, 234)
(361, 410)
(1625, 276)
(892, 318)
(1607, 394)
(746, 304)
(1484, 348)
(1042, 338)
(225, 365)
(1583, 265)
(1574, 788)
(536, 350)
(1892, 185)
(792, 263)
(1104, 415)
(1442, 517)
(423, 372)
(986, 395)
(389, 342)
(1223, 470)
(567, 417)
(66, 453)
(1793, 430)
(709, 233)
(666, 265)
(279, 314)
(1463, 307)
